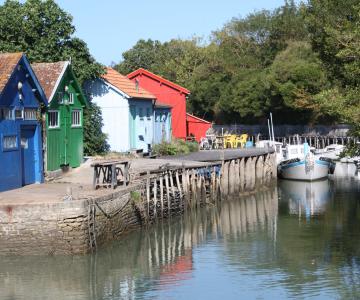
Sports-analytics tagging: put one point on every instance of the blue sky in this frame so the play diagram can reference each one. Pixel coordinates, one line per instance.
(110, 27)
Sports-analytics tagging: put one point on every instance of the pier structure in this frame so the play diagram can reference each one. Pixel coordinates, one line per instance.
(68, 217)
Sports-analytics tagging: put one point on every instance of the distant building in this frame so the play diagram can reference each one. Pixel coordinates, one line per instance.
(166, 92)
(64, 134)
(21, 99)
(127, 111)
(197, 127)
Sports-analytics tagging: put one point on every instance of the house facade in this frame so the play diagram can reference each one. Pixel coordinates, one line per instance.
(127, 111)
(64, 134)
(168, 93)
(21, 102)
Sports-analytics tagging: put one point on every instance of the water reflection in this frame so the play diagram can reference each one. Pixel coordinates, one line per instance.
(256, 246)
(305, 198)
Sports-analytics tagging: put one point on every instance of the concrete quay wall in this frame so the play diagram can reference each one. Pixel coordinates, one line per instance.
(80, 226)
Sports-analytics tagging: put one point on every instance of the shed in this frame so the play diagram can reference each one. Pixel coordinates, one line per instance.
(64, 134)
(127, 111)
(21, 102)
(197, 127)
(166, 92)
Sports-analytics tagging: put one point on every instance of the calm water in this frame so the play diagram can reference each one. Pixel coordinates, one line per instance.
(296, 240)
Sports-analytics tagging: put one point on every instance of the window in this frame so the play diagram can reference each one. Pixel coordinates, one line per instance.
(9, 142)
(148, 113)
(76, 118)
(30, 114)
(61, 97)
(71, 98)
(19, 113)
(141, 113)
(6, 114)
(53, 119)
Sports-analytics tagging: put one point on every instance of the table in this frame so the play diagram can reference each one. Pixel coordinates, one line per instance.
(106, 173)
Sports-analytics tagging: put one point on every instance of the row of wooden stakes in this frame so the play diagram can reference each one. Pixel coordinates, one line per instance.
(173, 191)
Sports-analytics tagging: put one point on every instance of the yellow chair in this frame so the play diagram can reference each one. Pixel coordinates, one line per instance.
(241, 140)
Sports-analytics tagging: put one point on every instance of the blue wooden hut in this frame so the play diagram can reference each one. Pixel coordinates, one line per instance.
(21, 101)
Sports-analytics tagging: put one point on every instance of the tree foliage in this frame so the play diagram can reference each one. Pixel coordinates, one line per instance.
(45, 33)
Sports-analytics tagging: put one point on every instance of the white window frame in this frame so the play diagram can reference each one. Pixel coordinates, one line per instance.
(71, 98)
(79, 118)
(9, 148)
(22, 113)
(9, 113)
(32, 111)
(58, 119)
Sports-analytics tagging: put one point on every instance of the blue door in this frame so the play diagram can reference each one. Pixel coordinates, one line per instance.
(28, 155)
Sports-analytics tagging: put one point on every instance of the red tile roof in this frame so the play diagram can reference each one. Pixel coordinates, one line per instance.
(125, 85)
(158, 78)
(8, 62)
(48, 75)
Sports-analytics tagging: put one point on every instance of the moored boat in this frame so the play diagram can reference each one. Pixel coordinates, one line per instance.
(301, 164)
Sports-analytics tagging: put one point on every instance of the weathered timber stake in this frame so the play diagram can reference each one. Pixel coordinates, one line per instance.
(248, 173)
(232, 177)
(167, 191)
(178, 184)
(259, 169)
(213, 184)
(162, 195)
(148, 192)
(198, 190)
(155, 196)
(237, 176)
(242, 174)
(193, 188)
(172, 184)
(253, 172)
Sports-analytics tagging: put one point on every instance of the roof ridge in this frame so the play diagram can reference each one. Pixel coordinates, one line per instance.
(159, 78)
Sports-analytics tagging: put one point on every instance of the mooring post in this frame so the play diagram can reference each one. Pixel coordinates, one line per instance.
(259, 169)
(148, 191)
(232, 177)
(242, 174)
(162, 195)
(237, 176)
(167, 192)
(155, 196)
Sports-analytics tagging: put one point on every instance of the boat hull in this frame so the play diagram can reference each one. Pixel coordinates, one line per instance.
(299, 171)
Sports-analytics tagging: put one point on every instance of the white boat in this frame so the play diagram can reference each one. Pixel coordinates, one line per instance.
(301, 164)
(332, 151)
(277, 146)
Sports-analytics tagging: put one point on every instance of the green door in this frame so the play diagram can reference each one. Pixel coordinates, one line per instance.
(132, 127)
(65, 128)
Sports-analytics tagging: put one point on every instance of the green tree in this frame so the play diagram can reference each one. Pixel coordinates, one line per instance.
(45, 32)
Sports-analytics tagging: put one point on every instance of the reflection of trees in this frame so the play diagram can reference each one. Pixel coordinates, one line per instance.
(256, 237)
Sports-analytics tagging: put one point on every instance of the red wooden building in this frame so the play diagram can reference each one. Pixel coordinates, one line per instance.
(196, 127)
(166, 92)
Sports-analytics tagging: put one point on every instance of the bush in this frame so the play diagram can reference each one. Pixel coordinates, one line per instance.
(175, 147)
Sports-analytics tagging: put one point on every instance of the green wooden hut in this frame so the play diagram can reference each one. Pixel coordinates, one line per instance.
(64, 133)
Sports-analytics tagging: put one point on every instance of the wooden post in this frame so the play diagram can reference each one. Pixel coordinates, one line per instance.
(148, 191)
(242, 174)
(232, 177)
(172, 185)
(178, 184)
(162, 195)
(155, 196)
(259, 169)
(237, 176)
(167, 192)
